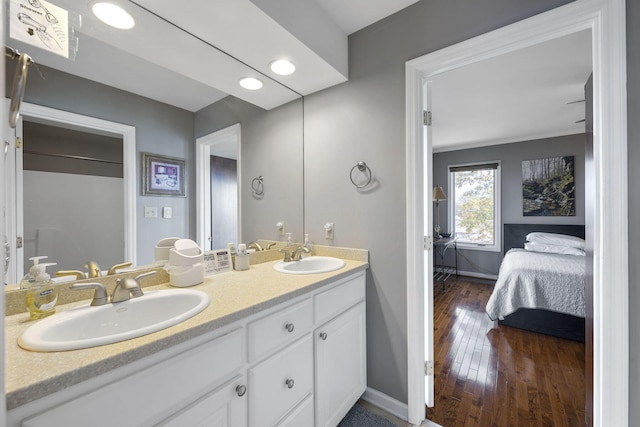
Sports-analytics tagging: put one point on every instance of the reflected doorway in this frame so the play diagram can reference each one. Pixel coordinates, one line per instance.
(15, 194)
(224, 199)
(218, 183)
(72, 184)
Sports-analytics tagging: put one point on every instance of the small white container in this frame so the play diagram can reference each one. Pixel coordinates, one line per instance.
(242, 258)
(186, 264)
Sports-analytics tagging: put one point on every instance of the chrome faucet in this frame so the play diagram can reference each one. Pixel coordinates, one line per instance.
(255, 245)
(114, 269)
(77, 273)
(128, 288)
(100, 296)
(287, 255)
(93, 271)
(296, 255)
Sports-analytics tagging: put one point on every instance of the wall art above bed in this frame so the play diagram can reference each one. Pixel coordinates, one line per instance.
(548, 187)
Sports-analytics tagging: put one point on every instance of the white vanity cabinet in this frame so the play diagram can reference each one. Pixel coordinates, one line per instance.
(174, 386)
(280, 350)
(341, 359)
(223, 407)
(299, 363)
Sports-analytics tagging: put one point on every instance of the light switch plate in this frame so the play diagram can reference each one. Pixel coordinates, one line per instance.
(150, 212)
(329, 228)
(167, 212)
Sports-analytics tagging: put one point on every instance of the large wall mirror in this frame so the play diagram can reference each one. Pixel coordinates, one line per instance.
(163, 86)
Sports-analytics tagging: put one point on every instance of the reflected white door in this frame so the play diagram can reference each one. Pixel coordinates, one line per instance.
(12, 212)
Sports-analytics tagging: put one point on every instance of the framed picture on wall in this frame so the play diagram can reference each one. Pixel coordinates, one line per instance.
(163, 176)
(548, 187)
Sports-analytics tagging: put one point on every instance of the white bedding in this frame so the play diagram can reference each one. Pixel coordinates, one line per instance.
(538, 280)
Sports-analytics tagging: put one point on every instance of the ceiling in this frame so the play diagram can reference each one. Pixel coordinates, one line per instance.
(192, 54)
(525, 95)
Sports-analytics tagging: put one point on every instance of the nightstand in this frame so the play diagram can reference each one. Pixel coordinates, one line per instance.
(441, 271)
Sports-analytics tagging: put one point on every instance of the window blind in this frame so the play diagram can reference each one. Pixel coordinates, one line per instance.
(474, 167)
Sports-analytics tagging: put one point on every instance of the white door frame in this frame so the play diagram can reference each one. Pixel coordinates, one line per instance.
(91, 125)
(606, 20)
(203, 182)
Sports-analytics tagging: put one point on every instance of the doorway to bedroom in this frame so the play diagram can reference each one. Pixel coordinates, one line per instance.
(529, 106)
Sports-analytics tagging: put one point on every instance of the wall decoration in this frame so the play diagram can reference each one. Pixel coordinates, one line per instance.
(548, 187)
(163, 176)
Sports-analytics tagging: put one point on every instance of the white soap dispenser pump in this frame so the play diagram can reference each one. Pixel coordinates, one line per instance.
(42, 296)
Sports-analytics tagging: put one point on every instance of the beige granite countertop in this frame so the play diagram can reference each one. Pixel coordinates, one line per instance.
(234, 295)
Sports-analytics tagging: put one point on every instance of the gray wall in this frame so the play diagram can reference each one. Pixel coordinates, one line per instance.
(160, 129)
(271, 146)
(633, 105)
(364, 119)
(511, 156)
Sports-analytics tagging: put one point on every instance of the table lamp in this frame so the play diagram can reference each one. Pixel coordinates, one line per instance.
(438, 195)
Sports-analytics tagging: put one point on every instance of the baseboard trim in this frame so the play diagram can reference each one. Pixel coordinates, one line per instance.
(387, 403)
(478, 275)
(391, 405)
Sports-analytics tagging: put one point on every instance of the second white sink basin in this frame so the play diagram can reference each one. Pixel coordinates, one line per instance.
(310, 265)
(88, 326)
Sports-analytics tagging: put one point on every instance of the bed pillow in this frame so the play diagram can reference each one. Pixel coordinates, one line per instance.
(553, 249)
(556, 239)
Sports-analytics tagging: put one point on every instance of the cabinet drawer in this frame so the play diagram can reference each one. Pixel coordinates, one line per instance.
(224, 407)
(301, 416)
(279, 383)
(273, 331)
(330, 303)
(169, 385)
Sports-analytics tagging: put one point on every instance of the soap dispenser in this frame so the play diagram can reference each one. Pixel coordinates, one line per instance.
(41, 294)
(306, 243)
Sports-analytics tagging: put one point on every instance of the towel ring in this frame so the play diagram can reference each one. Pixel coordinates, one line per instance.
(19, 86)
(362, 167)
(257, 186)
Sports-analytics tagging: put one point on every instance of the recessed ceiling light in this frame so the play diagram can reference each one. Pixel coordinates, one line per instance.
(251, 83)
(282, 67)
(113, 15)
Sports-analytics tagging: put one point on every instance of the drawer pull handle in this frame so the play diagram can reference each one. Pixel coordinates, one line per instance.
(323, 336)
(289, 327)
(289, 382)
(241, 390)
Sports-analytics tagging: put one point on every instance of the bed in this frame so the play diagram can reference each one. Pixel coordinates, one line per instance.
(540, 292)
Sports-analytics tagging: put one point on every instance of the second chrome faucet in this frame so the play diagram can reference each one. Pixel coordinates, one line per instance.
(125, 289)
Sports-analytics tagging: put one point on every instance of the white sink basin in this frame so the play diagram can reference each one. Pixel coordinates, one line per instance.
(310, 265)
(88, 326)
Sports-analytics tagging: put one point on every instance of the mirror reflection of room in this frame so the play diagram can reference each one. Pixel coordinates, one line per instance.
(72, 197)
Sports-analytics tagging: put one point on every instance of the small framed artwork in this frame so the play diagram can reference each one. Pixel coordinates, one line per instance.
(163, 176)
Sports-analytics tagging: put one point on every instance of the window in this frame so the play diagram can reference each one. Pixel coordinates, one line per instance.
(474, 205)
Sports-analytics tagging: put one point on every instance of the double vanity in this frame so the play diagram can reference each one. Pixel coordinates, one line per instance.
(272, 348)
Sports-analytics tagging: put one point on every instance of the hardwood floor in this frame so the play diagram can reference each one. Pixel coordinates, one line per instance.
(490, 375)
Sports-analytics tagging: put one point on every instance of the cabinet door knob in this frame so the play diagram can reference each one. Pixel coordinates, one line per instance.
(289, 382)
(289, 327)
(241, 390)
(323, 336)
